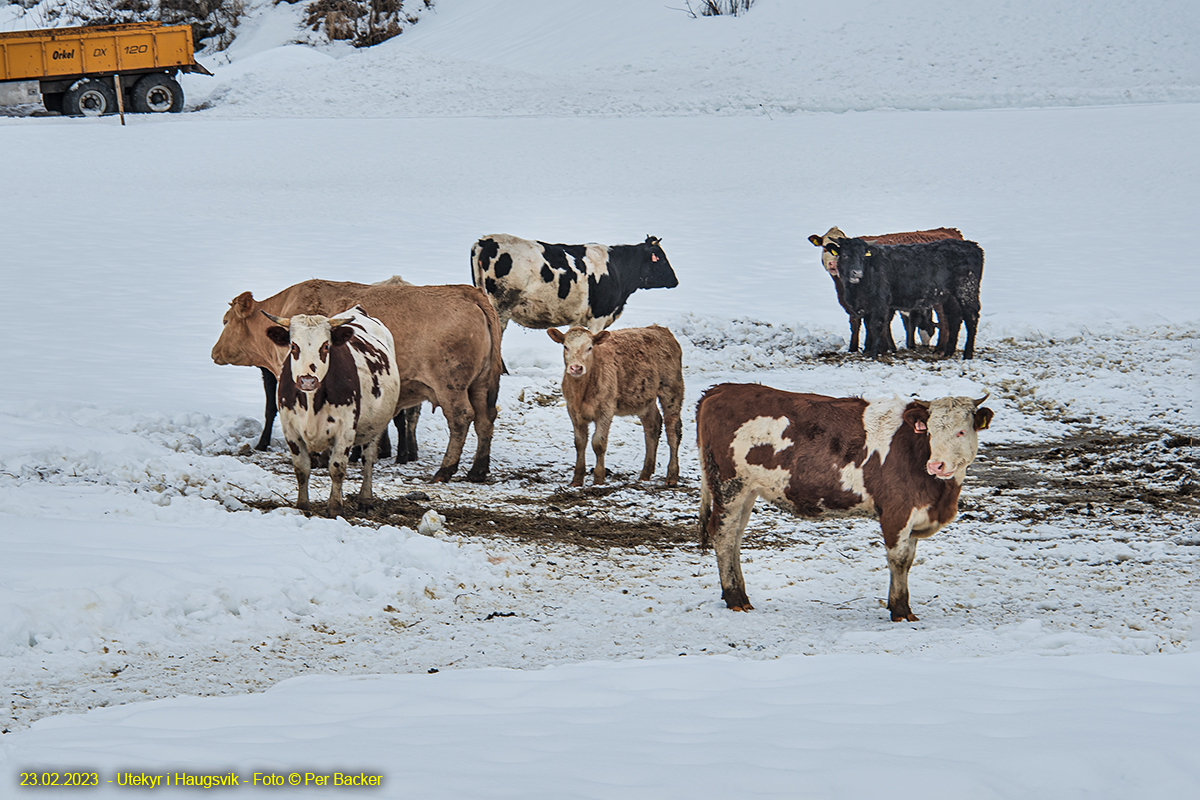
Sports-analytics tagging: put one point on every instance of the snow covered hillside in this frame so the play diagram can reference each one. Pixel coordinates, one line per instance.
(165, 612)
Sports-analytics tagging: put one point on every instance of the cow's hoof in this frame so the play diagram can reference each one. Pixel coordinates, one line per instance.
(744, 607)
(477, 477)
(909, 617)
(672, 481)
(577, 482)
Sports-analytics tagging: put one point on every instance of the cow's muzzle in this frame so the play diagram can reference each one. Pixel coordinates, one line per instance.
(308, 383)
(939, 469)
(575, 370)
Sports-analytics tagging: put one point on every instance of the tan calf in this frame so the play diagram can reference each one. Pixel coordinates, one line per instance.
(622, 373)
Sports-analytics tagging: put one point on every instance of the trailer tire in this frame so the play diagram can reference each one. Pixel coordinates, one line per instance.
(90, 98)
(157, 94)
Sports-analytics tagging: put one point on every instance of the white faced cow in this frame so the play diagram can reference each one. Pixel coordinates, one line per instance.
(903, 461)
(338, 389)
(542, 285)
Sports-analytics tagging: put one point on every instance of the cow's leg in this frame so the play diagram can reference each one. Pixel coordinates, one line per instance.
(971, 318)
(458, 419)
(385, 443)
(953, 322)
(941, 328)
(910, 329)
(727, 543)
(302, 466)
(900, 560)
(600, 445)
(485, 417)
(877, 335)
(366, 493)
(855, 324)
(270, 385)
(672, 406)
(580, 427)
(406, 435)
(339, 459)
(652, 422)
(889, 343)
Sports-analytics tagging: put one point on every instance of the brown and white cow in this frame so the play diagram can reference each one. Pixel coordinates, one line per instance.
(447, 350)
(913, 322)
(901, 460)
(622, 373)
(326, 298)
(337, 390)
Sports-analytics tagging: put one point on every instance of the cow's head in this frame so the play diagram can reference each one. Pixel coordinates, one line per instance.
(852, 259)
(952, 425)
(309, 338)
(241, 342)
(577, 348)
(828, 260)
(656, 271)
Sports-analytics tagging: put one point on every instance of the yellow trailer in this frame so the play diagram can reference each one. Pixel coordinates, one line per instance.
(73, 69)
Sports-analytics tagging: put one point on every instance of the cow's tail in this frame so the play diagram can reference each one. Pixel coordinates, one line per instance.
(495, 361)
(710, 480)
(476, 273)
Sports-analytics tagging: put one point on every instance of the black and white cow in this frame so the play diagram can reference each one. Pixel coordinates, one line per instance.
(882, 278)
(338, 389)
(540, 285)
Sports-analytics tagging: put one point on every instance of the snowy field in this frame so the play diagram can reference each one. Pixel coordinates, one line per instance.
(164, 612)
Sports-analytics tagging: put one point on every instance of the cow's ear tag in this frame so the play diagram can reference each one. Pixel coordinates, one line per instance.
(867, 253)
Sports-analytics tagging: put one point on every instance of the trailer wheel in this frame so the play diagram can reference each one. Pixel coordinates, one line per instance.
(157, 93)
(89, 98)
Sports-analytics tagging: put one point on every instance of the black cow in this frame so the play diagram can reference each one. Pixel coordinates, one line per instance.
(542, 285)
(880, 279)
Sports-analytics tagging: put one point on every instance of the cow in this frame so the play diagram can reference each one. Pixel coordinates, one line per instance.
(882, 278)
(447, 350)
(233, 348)
(900, 460)
(337, 390)
(623, 373)
(542, 285)
(913, 321)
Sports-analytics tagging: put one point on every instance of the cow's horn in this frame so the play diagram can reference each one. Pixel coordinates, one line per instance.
(284, 321)
(981, 400)
(333, 323)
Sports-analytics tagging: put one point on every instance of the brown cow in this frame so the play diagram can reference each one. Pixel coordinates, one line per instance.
(912, 322)
(447, 349)
(622, 373)
(902, 460)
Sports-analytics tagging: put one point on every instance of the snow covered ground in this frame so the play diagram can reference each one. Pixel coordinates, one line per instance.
(163, 612)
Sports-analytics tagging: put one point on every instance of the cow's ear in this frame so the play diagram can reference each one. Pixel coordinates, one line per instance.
(341, 334)
(815, 239)
(243, 305)
(279, 336)
(917, 418)
(555, 334)
(983, 418)
(602, 336)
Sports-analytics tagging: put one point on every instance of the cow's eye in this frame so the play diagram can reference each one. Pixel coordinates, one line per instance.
(961, 433)
(295, 351)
